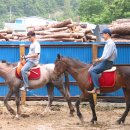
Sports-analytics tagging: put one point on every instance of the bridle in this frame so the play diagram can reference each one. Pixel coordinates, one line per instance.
(58, 61)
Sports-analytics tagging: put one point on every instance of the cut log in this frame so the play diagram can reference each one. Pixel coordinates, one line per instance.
(6, 31)
(120, 40)
(19, 35)
(122, 21)
(79, 40)
(65, 35)
(9, 36)
(92, 37)
(57, 29)
(61, 24)
(43, 32)
(86, 31)
(122, 29)
(70, 25)
(121, 36)
(57, 39)
(4, 37)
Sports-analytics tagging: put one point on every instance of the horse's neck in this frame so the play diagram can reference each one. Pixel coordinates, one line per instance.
(77, 68)
(6, 71)
(77, 65)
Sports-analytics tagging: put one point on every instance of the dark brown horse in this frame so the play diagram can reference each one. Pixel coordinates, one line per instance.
(7, 71)
(79, 72)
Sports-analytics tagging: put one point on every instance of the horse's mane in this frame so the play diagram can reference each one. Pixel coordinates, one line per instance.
(78, 62)
(8, 63)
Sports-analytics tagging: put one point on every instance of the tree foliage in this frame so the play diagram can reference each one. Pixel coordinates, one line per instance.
(96, 11)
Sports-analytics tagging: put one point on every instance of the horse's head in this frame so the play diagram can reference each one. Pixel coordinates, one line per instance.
(60, 65)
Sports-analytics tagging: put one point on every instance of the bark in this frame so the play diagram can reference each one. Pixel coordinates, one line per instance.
(4, 37)
(122, 21)
(121, 29)
(121, 36)
(92, 37)
(57, 39)
(43, 32)
(57, 29)
(6, 31)
(120, 40)
(61, 24)
(65, 35)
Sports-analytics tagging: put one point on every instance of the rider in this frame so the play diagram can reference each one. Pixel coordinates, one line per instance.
(32, 59)
(105, 61)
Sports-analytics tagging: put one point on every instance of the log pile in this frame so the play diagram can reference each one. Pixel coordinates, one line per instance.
(120, 30)
(61, 31)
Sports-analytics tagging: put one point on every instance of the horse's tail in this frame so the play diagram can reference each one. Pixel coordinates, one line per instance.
(67, 85)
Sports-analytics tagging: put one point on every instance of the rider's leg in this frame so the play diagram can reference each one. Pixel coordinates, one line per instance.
(99, 68)
(24, 73)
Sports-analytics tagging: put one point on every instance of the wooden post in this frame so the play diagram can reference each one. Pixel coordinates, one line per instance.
(94, 51)
(94, 56)
(23, 93)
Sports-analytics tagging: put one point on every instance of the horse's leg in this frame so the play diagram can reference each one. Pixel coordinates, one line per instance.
(50, 90)
(17, 99)
(92, 106)
(78, 109)
(127, 99)
(10, 93)
(66, 96)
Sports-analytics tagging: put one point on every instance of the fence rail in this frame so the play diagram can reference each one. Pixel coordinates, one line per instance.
(84, 52)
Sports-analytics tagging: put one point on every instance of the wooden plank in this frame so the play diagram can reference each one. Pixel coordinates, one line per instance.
(23, 93)
(94, 52)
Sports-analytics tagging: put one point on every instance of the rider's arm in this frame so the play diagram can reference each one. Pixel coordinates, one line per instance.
(35, 55)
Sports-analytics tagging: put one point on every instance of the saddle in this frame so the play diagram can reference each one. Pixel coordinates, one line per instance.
(33, 74)
(106, 78)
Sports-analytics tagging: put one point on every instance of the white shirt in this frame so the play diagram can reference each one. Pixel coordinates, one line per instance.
(33, 49)
(110, 51)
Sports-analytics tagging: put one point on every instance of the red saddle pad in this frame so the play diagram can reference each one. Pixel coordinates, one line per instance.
(34, 73)
(107, 79)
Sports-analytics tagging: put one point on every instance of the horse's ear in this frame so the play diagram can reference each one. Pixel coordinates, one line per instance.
(3, 61)
(58, 56)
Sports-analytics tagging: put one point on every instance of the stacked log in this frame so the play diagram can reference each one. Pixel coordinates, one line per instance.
(120, 30)
(65, 30)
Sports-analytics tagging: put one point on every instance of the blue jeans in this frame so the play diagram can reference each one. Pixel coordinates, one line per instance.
(97, 69)
(24, 72)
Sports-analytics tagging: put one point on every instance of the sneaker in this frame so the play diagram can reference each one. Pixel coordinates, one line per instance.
(94, 91)
(24, 88)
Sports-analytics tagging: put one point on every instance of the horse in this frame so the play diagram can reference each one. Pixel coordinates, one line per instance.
(8, 72)
(79, 72)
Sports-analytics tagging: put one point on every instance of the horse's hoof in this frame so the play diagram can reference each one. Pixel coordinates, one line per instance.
(118, 122)
(93, 122)
(82, 121)
(71, 115)
(17, 117)
(25, 115)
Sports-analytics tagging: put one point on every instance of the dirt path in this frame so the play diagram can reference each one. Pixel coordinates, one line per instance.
(57, 118)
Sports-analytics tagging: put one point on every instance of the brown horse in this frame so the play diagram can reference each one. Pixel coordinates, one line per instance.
(79, 72)
(7, 71)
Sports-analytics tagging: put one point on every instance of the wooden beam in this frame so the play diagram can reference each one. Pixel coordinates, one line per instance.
(94, 56)
(94, 52)
(23, 93)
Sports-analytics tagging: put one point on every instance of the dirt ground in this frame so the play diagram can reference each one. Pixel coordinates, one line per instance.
(34, 117)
